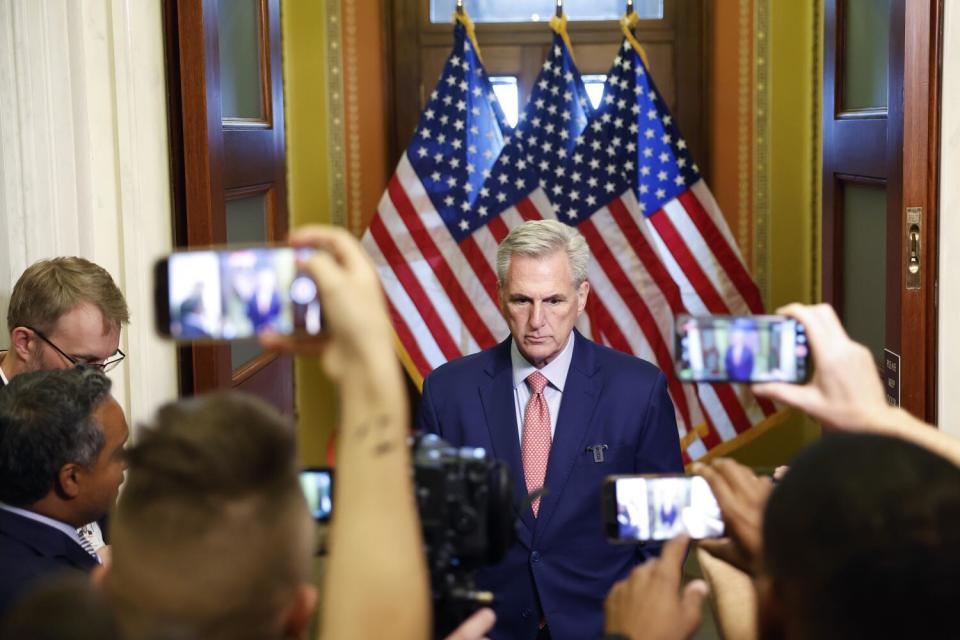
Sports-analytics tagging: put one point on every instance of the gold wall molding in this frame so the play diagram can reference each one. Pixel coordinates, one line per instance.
(744, 106)
(335, 117)
(761, 148)
(352, 85)
(816, 170)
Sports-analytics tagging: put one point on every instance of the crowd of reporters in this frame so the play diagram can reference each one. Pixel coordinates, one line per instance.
(211, 538)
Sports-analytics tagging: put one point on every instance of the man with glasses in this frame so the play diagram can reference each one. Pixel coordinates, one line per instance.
(64, 312)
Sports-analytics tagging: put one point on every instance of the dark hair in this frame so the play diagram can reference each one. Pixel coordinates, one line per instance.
(211, 491)
(862, 539)
(46, 422)
(68, 607)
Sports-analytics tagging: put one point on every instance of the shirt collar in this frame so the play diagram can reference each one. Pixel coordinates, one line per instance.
(2, 375)
(67, 530)
(555, 371)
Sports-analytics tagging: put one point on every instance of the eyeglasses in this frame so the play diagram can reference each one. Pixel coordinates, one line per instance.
(104, 366)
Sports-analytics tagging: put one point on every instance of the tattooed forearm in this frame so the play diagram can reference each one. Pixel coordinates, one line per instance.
(376, 433)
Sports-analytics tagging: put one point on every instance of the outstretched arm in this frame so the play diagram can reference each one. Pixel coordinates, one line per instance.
(845, 393)
(376, 581)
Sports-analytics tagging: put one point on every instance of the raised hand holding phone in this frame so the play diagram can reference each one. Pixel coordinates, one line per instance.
(845, 391)
(742, 496)
(235, 293)
(655, 508)
(344, 275)
(741, 349)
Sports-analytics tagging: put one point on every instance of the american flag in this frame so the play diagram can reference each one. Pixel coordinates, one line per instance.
(661, 246)
(466, 180)
(439, 280)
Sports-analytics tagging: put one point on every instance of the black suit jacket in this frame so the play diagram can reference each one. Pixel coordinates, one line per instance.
(31, 551)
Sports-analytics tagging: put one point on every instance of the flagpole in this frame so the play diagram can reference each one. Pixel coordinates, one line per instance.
(559, 8)
(460, 7)
(629, 7)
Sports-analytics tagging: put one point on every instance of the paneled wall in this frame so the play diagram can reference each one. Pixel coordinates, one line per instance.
(949, 353)
(84, 161)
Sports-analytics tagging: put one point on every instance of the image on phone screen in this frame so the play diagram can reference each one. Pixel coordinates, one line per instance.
(317, 485)
(661, 508)
(236, 294)
(741, 349)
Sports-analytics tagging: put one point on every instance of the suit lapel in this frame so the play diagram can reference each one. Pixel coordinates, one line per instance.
(46, 540)
(501, 414)
(580, 394)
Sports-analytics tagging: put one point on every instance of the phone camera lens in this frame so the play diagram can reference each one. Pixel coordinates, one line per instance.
(303, 290)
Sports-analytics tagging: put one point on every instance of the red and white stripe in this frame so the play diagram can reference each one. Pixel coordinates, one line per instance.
(644, 271)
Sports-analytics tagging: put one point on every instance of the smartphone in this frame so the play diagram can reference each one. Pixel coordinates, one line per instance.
(741, 349)
(317, 485)
(650, 508)
(235, 294)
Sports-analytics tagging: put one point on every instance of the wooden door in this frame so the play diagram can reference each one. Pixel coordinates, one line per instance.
(673, 33)
(227, 134)
(880, 106)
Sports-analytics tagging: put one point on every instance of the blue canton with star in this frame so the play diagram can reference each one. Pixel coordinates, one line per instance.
(538, 151)
(632, 142)
(459, 136)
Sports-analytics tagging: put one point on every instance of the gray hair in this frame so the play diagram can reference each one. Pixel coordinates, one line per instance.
(541, 238)
(46, 421)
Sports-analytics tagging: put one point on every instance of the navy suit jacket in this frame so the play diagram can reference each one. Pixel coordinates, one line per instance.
(739, 370)
(31, 551)
(562, 565)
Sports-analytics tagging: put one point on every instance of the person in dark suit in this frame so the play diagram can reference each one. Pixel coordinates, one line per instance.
(738, 359)
(63, 312)
(60, 468)
(563, 413)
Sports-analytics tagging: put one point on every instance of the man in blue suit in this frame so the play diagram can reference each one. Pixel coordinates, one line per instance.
(564, 413)
(61, 465)
(739, 357)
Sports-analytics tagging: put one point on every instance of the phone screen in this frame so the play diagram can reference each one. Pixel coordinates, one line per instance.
(317, 485)
(656, 508)
(235, 294)
(741, 349)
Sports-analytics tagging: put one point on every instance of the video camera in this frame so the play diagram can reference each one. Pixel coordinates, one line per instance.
(465, 502)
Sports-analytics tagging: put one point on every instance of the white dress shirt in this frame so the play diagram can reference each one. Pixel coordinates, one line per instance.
(556, 374)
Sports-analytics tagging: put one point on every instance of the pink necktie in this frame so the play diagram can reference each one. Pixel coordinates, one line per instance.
(535, 443)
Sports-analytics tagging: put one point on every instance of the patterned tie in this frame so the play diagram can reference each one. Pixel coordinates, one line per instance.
(87, 546)
(535, 443)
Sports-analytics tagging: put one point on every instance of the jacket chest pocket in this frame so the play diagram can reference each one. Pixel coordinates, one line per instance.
(607, 459)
